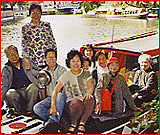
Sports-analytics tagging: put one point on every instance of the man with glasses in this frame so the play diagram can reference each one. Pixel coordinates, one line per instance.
(55, 70)
(37, 36)
(18, 82)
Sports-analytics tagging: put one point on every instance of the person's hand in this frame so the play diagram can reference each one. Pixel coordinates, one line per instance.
(49, 110)
(53, 110)
(98, 109)
(134, 96)
(26, 63)
(88, 95)
(137, 109)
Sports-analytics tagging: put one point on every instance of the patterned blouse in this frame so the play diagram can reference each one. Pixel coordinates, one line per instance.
(35, 40)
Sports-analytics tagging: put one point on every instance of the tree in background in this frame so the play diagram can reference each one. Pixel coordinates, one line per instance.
(90, 5)
(13, 3)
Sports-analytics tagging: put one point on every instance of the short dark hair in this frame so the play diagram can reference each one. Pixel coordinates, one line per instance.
(50, 50)
(8, 47)
(86, 59)
(71, 55)
(99, 53)
(34, 6)
(89, 46)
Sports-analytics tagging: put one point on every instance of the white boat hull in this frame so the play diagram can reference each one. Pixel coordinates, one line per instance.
(128, 15)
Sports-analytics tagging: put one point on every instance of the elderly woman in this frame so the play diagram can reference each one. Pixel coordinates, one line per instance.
(79, 87)
(37, 37)
(145, 80)
(120, 91)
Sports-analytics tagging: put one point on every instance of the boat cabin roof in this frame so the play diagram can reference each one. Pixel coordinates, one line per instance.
(149, 45)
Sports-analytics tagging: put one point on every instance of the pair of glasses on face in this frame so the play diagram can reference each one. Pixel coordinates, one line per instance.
(12, 54)
(51, 58)
(35, 13)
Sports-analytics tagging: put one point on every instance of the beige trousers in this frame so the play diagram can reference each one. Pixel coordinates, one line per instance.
(22, 99)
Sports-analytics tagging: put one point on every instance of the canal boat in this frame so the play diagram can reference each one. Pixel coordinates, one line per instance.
(128, 122)
(153, 13)
(48, 8)
(63, 10)
(129, 12)
(20, 14)
(7, 15)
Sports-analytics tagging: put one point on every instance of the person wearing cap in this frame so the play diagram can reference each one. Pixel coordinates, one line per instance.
(121, 90)
(102, 58)
(145, 80)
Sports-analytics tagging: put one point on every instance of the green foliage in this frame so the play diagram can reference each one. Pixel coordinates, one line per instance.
(153, 116)
(12, 3)
(90, 5)
(143, 4)
(156, 131)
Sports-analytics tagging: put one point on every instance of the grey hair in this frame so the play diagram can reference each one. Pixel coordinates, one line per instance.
(145, 57)
(8, 47)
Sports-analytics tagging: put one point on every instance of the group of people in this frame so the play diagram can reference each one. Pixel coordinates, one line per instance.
(78, 90)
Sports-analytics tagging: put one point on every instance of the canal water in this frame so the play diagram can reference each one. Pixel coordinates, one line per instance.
(73, 31)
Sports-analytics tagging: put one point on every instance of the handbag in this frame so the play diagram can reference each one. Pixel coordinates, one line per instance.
(107, 97)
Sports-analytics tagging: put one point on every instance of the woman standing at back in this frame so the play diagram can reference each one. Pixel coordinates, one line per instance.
(37, 37)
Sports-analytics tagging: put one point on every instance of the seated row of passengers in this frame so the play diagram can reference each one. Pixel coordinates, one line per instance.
(74, 89)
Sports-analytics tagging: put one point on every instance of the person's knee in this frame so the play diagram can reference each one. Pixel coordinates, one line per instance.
(61, 97)
(36, 108)
(11, 93)
(33, 87)
(77, 103)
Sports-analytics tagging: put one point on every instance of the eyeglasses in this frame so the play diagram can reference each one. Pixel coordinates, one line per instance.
(51, 58)
(12, 54)
(38, 13)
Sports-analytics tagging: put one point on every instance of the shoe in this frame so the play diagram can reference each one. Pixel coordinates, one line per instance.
(72, 132)
(81, 131)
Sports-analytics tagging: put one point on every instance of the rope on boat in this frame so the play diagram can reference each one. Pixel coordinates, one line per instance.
(146, 34)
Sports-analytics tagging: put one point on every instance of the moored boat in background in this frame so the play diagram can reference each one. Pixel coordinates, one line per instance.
(153, 13)
(20, 14)
(129, 12)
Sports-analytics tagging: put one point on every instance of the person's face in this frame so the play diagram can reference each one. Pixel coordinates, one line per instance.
(113, 67)
(75, 63)
(86, 65)
(145, 64)
(89, 52)
(51, 59)
(36, 15)
(12, 55)
(102, 61)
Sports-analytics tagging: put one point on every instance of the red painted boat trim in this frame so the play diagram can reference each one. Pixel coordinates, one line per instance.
(129, 38)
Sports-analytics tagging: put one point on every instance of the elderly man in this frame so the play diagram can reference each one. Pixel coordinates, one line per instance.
(18, 82)
(145, 81)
